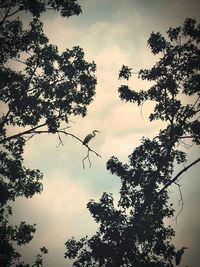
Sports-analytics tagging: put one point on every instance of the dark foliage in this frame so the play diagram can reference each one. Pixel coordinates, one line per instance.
(133, 232)
(40, 88)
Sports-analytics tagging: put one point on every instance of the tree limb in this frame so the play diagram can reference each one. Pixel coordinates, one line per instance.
(178, 175)
(14, 12)
(18, 60)
(29, 131)
(77, 138)
(5, 16)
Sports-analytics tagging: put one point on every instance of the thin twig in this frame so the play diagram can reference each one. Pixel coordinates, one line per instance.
(31, 136)
(141, 109)
(185, 145)
(18, 60)
(196, 101)
(180, 202)
(5, 16)
(14, 12)
(60, 140)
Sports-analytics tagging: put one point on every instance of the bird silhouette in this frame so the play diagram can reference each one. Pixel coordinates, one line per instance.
(89, 137)
(179, 255)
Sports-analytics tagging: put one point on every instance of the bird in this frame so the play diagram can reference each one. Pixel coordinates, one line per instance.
(179, 255)
(89, 137)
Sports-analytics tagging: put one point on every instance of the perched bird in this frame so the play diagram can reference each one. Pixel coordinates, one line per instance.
(89, 137)
(179, 255)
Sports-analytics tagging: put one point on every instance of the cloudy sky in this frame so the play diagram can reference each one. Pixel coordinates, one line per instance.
(112, 33)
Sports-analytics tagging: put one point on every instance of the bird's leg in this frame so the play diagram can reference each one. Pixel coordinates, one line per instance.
(87, 157)
(83, 162)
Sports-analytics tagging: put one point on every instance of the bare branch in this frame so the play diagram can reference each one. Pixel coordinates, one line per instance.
(31, 136)
(196, 102)
(178, 175)
(60, 140)
(14, 12)
(141, 108)
(29, 131)
(184, 144)
(5, 16)
(196, 111)
(20, 61)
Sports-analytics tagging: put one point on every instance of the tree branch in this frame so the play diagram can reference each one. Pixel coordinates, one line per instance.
(178, 175)
(6, 15)
(77, 138)
(18, 60)
(14, 12)
(29, 131)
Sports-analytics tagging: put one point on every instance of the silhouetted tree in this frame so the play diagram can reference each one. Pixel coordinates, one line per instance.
(133, 233)
(40, 89)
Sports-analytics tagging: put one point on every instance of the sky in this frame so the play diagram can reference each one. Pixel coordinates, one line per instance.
(112, 33)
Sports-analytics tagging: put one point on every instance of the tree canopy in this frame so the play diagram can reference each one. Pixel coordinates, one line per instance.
(133, 232)
(40, 88)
